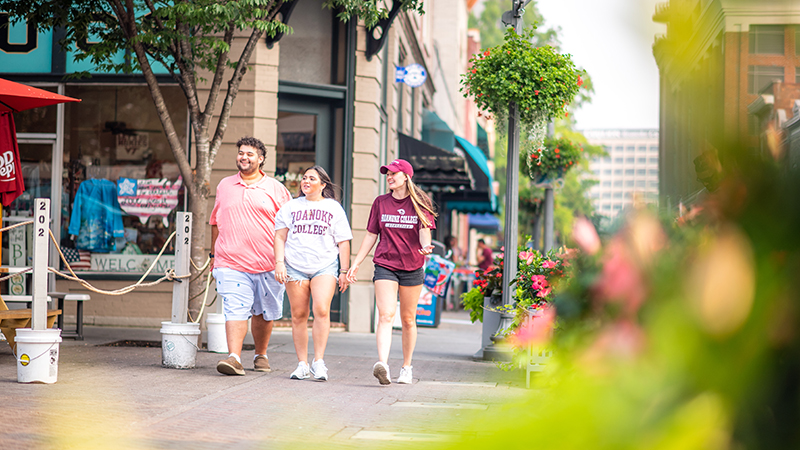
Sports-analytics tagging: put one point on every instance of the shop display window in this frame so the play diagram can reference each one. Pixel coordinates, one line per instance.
(119, 186)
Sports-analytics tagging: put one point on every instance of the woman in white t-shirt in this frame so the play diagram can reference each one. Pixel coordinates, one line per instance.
(312, 254)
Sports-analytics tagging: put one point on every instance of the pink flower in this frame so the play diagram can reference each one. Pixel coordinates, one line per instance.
(549, 264)
(536, 330)
(527, 256)
(538, 281)
(543, 292)
(585, 235)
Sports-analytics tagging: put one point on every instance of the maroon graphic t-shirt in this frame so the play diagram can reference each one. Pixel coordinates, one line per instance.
(397, 224)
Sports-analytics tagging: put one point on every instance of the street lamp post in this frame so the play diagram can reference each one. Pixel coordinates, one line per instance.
(511, 18)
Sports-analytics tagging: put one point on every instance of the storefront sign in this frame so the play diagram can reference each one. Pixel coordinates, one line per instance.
(426, 308)
(103, 262)
(18, 257)
(413, 75)
(148, 197)
(131, 147)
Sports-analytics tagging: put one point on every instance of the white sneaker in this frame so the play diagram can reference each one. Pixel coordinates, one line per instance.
(319, 371)
(381, 372)
(405, 375)
(301, 373)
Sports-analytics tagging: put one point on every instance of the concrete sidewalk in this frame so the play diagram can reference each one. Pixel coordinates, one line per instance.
(121, 397)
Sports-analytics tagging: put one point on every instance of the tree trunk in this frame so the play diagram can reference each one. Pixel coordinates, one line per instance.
(198, 206)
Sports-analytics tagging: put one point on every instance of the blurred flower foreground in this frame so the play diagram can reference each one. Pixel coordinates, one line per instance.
(679, 334)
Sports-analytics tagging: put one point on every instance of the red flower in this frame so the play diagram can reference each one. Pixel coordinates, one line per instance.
(541, 78)
(474, 70)
(566, 115)
(580, 82)
(509, 52)
(536, 92)
(557, 151)
(558, 156)
(486, 53)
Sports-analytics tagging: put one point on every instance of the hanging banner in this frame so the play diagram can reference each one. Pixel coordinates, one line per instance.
(148, 197)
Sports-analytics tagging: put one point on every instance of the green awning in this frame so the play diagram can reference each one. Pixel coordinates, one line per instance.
(436, 132)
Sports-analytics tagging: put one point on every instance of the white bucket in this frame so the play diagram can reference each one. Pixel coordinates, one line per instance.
(217, 339)
(179, 344)
(37, 355)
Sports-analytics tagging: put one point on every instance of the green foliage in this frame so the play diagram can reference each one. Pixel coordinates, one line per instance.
(555, 159)
(473, 302)
(539, 80)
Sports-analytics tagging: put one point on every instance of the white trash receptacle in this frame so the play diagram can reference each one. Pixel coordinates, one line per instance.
(37, 355)
(179, 344)
(217, 339)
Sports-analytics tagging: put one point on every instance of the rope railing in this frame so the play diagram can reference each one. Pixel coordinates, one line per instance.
(169, 274)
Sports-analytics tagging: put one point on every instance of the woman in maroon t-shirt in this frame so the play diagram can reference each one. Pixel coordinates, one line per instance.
(403, 219)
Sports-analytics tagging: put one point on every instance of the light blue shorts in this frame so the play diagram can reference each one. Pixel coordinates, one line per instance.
(297, 275)
(247, 294)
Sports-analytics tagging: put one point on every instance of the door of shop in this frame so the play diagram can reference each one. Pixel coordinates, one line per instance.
(42, 178)
(305, 138)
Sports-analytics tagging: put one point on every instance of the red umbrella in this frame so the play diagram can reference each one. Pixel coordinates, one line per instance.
(15, 97)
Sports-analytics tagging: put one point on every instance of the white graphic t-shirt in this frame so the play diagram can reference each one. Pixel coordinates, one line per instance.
(315, 229)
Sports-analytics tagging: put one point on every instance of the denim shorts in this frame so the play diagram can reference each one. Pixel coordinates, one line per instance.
(247, 294)
(402, 277)
(296, 275)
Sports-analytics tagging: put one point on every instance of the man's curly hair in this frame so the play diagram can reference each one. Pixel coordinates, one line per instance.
(256, 144)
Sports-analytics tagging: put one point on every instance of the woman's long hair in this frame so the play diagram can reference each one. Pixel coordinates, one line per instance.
(329, 191)
(421, 202)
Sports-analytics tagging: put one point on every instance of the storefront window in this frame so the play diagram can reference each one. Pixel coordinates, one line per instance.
(121, 188)
(296, 150)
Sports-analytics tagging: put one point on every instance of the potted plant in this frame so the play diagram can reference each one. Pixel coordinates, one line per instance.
(550, 163)
(539, 80)
(488, 284)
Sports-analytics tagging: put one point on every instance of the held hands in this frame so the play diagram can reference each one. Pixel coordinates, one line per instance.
(343, 283)
(426, 250)
(280, 272)
(351, 274)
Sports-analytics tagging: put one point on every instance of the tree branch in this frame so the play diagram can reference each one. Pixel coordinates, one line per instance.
(222, 63)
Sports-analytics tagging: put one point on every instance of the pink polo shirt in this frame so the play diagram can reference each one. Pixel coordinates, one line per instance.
(245, 216)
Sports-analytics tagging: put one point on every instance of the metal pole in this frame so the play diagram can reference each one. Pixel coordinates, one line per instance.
(180, 289)
(549, 205)
(492, 352)
(512, 204)
(41, 247)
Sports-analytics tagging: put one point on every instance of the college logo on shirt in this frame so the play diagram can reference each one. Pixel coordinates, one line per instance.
(399, 220)
(311, 215)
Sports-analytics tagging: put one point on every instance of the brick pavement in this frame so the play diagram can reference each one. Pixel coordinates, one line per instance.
(121, 397)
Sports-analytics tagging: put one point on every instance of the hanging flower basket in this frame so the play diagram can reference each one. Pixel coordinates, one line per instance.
(548, 165)
(541, 81)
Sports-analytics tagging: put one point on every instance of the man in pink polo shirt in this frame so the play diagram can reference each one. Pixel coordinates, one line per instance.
(242, 238)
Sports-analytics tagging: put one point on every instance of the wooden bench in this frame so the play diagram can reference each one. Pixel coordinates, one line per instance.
(12, 319)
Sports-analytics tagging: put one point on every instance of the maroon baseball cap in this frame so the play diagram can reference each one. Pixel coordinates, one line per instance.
(398, 165)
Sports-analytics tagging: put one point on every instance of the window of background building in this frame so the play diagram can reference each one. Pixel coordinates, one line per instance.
(639, 183)
(607, 172)
(617, 206)
(630, 160)
(654, 148)
(629, 172)
(617, 160)
(641, 172)
(617, 194)
(606, 207)
(759, 77)
(628, 183)
(630, 148)
(642, 148)
(767, 39)
(641, 160)
(652, 172)
(653, 184)
(617, 171)
(618, 148)
(606, 184)
(606, 195)
(618, 183)
(652, 160)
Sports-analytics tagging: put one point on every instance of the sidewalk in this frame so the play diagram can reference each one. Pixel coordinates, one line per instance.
(121, 397)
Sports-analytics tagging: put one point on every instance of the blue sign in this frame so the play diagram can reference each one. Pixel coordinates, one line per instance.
(413, 75)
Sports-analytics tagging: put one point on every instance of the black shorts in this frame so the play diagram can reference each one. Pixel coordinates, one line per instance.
(402, 277)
